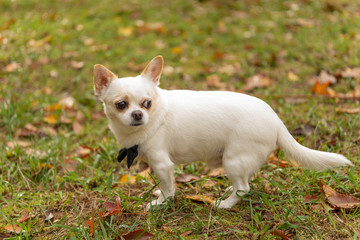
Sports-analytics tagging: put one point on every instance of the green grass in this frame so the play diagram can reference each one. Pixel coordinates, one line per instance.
(48, 41)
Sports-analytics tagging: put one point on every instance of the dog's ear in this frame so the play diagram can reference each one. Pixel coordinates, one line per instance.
(102, 78)
(153, 69)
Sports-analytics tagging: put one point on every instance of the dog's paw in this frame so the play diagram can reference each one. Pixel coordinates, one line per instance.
(154, 203)
(223, 204)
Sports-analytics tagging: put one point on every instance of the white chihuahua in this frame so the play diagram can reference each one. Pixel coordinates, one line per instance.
(224, 129)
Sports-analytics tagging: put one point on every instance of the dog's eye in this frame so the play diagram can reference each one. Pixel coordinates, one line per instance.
(121, 105)
(147, 104)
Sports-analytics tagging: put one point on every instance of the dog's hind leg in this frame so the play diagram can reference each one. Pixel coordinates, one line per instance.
(239, 169)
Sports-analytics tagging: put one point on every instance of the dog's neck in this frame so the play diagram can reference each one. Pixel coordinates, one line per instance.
(130, 136)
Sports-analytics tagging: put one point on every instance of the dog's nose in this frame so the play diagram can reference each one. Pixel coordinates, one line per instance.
(137, 115)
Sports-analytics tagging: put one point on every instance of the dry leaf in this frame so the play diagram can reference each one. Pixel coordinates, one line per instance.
(186, 177)
(12, 67)
(280, 234)
(185, 234)
(45, 165)
(214, 81)
(292, 76)
(91, 224)
(77, 65)
(67, 102)
(351, 73)
(83, 152)
(303, 130)
(112, 208)
(129, 179)
(201, 198)
(209, 183)
(216, 172)
(349, 110)
(339, 200)
(257, 81)
(176, 50)
(69, 165)
(13, 144)
(77, 128)
(139, 234)
(13, 228)
(125, 31)
(310, 198)
(145, 173)
(276, 161)
(320, 88)
(51, 119)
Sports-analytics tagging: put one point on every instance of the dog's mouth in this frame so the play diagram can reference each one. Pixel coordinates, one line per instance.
(135, 124)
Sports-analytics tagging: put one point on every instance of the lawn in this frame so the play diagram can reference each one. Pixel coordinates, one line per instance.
(59, 178)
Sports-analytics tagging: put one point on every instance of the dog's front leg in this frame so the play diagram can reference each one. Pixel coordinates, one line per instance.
(164, 171)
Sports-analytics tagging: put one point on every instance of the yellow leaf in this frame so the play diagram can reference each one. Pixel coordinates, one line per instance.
(201, 198)
(176, 50)
(292, 76)
(51, 119)
(127, 179)
(125, 31)
(48, 166)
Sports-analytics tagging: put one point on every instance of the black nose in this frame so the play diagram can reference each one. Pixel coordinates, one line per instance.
(137, 115)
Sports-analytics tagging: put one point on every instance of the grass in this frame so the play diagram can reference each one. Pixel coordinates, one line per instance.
(48, 49)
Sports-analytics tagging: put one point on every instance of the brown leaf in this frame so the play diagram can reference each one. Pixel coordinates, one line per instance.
(303, 130)
(321, 88)
(83, 152)
(276, 161)
(186, 177)
(24, 218)
(209, 183)
(339, 200)
(349, 110)
(139, 234)
(257, 81)
(51, 119)
(69, 165)
(112, 208)
(216, 172)
(13, 228)
(201, 198)
(310, 198)
(351, 72)
(185, 234)
(13, 144)
(214, 81)
(67, 102)
(77, 128)
(280, 234)
(91, 224)
(12, 67)
(77, 65)
(129, 179)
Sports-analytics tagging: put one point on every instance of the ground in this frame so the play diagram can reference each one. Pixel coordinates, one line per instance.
(58, 161)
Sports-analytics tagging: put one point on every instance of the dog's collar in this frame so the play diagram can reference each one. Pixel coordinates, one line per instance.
(131, 153)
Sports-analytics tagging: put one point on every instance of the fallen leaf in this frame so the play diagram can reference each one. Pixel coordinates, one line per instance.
(13, 228)
(209, 183)
(292, 76)
(69, 165)
(214, 81)
(13, 144)
(273, 159)
(12, 67)
(91, 224)
(339, 200)
(127, 179)
(280, 234)
(176, 50)
(216, 172)
(186, 177)
(112, 208)
(125, 31)
(83, 152)
(77, 128)
(25, 217)
(201, 198)
(139, 234)
(67, 102)
(257, 81)
(351, 72)
(77, 65)
(310, 198)
(185, 234)
(145, 173)
(51, 119)
(321, 88)
(53, 108)
(349, 110)
(303, 130)
(45, 165)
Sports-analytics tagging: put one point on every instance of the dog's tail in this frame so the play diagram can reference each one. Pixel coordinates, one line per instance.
(307, 157)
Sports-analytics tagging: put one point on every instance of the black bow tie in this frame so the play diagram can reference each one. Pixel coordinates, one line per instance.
(130, 153)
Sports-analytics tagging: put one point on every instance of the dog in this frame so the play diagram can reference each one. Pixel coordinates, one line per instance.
(223, 129)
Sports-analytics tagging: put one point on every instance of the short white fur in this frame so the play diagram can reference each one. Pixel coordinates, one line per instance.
(224, 129)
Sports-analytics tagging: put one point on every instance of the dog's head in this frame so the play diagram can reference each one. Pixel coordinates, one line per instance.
(129, 101)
